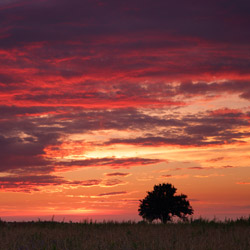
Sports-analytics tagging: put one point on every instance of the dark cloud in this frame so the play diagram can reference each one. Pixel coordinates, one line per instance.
(113, 193)
(8, 79)
(29, 183)
(18, 153)
(12, 111)
(203, 168)
(111, 162)
(246, 94)
(25, 151)
(80, 19)
(116, 95)
(158, 140)
(126, 118)
(210, 128)
(207, 168)
(216, 159)
(203, 88)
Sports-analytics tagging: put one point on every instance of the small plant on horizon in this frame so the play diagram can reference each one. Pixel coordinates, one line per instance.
(163, 204)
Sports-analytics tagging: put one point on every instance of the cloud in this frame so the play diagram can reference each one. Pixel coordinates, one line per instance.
(166, 175)
(79, 21)
(110, 162)
(209, 175)
(216, 159)
(28, 183)
(17, 153)
(208, 168)
(117, 174)
(197, 168)
(203, 88)
(228, 166)
(203, 168)
(112, 183)
(100, 195)
(184, 176)
(18, 111)
(204, 129)
(31, 183)
(88, 183)
(112, 193)
(243, 183)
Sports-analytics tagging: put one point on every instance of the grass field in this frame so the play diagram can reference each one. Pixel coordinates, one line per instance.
(195, 234)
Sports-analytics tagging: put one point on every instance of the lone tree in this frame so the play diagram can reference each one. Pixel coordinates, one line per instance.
(163, 204)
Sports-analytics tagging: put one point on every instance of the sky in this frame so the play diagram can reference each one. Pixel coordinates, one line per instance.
(102, 100)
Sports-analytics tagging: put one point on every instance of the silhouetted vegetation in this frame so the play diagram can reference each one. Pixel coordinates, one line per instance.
(163, 204)
(195, 234)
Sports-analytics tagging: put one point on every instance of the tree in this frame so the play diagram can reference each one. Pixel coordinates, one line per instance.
(163, 204)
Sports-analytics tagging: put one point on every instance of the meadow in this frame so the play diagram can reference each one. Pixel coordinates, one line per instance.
(195, 234)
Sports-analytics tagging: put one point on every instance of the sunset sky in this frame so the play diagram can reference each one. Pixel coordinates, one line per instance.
(100, 100)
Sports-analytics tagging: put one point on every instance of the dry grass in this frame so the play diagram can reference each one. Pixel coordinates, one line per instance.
(196, 234)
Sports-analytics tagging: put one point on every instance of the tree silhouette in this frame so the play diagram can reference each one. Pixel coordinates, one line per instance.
(163, 204)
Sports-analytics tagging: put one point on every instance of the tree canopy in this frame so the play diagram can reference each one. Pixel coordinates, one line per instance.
(163, 204)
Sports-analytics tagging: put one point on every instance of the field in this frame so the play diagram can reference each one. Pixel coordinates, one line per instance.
(195, 234)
